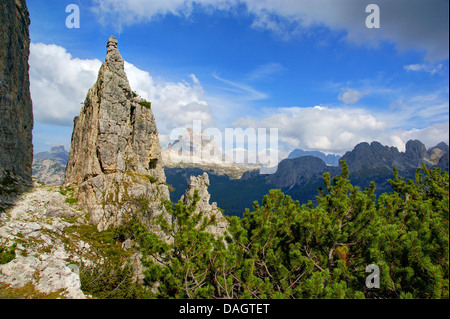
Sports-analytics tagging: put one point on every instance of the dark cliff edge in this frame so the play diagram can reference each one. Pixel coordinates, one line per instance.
(16, 120)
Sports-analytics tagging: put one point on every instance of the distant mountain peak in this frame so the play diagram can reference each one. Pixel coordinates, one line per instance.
(197, 149)
(56, 153)
(57, 149)
(330, 159)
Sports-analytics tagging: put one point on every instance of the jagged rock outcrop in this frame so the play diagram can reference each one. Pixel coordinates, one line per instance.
(16, 114)
(297, 171)
(376, 156)
(210, 211)
(115, 155)
(438, 155)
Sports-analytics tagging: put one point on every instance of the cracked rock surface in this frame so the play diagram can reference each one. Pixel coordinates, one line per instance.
(47, 257)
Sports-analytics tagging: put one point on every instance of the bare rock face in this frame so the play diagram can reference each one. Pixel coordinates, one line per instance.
(115, 155)
(201, 184)
(16, 113)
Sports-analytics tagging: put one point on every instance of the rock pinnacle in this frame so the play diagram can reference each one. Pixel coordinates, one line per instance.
(115, 155)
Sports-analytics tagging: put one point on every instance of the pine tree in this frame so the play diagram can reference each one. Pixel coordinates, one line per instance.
(282, 249)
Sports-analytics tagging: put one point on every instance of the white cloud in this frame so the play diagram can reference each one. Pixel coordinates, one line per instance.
(60, 82)
(433, 69)
(333, 130)
(418, 109)
(243, 90)
(265, 71)
(337, 130)
(351, 96)
(175, 104)
(409, 24)
(430, 136)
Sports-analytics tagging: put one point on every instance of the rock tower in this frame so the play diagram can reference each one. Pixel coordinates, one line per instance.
(115, 155)
(200, 184)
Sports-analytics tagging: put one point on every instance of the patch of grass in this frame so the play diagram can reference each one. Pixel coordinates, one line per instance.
(7, 254)
(105, 242)
(146, 104)
(112, 280)
(27, 292)
(69, 192)
(152, 179)
(71, 200)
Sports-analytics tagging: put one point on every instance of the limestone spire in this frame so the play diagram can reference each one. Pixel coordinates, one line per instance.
(115, 154)
(112, 44)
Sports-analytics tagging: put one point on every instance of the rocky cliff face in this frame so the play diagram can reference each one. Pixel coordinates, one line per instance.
(297, 170)
(16, 114)
(115, 155)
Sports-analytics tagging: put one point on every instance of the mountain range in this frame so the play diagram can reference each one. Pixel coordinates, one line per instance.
(56, 153)
(300, 177)
(49, 167)
(235, 187)
(199, 150)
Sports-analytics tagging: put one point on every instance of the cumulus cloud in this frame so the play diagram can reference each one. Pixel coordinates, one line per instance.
(175, 104)
(332, 130)
(409, 24)
(337, 130)
(60, 82)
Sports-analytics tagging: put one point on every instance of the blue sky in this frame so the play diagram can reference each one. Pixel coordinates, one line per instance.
(310, 68)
